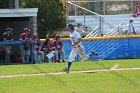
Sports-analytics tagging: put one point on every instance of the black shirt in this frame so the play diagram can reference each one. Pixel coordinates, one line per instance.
(8, 37)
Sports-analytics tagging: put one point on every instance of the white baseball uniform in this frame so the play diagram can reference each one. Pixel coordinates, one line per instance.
(78, 49)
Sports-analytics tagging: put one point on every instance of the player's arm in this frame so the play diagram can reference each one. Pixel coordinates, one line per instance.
(44, 47)
(11, 37)
(4, 37)
(79, 40)
(39, 46)
(54, 45)
(21, 37)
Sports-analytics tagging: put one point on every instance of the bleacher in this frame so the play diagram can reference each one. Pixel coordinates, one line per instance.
(110, 21)
(110, 48)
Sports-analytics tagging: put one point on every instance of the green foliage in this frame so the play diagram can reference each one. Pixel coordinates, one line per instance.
(4, 3)
(51, 15)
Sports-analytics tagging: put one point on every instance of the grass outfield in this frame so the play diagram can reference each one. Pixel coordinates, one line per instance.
(99, 82)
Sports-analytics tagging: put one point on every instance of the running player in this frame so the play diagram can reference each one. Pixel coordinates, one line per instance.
(77, 48)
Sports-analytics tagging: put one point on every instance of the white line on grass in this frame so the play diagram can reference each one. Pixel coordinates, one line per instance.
(56, 73)
(115, 67)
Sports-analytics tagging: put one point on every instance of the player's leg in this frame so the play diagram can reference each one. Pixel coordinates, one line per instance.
(42, 56)
(71, 58)
(85, 56)
(63, 56)
(56, 55)
(7, 50)
(22, 53)
(27, 56)
(81, 52)
(35, 56)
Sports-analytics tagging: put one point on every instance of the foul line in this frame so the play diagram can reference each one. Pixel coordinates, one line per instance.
(75, 72)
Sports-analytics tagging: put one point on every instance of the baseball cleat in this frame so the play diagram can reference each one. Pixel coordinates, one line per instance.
(66, 70)
(94, 53)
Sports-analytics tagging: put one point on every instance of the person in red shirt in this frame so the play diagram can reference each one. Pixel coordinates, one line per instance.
(25, 35)
(37, 50)
(58, 49)
(25, 49)
(47, 47)
(137, 11)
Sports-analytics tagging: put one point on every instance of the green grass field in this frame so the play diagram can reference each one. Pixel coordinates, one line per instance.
(99, 82)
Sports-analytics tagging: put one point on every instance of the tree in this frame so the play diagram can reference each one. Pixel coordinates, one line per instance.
(51, 15)
(4, 4)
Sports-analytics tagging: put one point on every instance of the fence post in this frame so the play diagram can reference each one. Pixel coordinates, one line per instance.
(32, 52)
(75, 8)
(100, 26)
(84, 20)
(132, 6)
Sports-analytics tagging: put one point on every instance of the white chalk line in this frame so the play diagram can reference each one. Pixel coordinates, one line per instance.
(75, 72)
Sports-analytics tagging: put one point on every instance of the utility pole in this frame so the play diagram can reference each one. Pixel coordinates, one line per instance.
(16, 3)
(75, 9)
(13, 4)
(132, 7)
(104, 7)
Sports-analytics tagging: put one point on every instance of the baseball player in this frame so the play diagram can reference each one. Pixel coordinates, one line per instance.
(58, 48)
(77, 48)
(25, 49)
(8, 36)
(47, 48)
(37, 50)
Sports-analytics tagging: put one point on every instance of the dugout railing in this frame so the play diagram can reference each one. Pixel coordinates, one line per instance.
(109, 47)
(14, 45)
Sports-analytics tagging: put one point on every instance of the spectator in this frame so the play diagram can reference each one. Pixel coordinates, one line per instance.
(47, 36)
(37, 50)
(25, 49)
(47, 47)
(131, 28)
(136, 11)
(58, 49)
(8, 36)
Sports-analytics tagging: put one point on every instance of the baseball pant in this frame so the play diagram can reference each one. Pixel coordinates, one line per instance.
(8, 52)
(39, 53)
(78, 50)
(25, 54)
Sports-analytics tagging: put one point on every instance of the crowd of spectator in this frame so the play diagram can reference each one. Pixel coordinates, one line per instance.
(43, 52)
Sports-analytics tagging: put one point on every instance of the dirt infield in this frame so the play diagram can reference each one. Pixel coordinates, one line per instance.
(71, 72)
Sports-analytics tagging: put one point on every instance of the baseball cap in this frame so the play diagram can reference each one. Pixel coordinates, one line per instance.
(9, 29)
(70, 26)
(35, 36)
(131, 20)
(57, 36)
(47, 39)
(26, 29)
